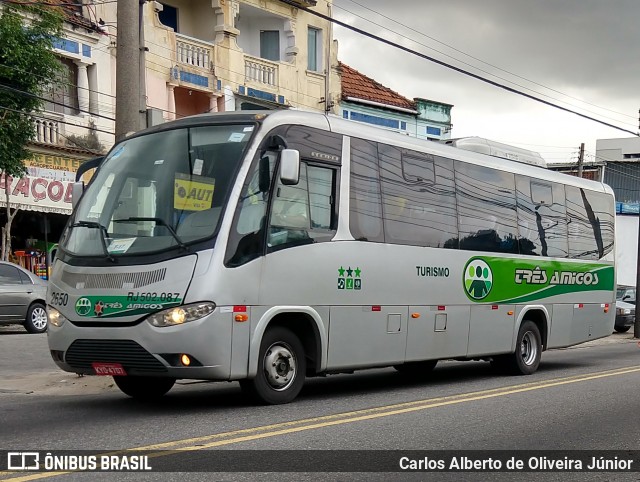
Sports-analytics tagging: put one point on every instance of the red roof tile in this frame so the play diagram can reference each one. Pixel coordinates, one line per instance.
(358, 85)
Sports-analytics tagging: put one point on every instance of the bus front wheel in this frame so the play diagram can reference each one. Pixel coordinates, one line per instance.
(281, 368)
(526, 359)
(144, 388)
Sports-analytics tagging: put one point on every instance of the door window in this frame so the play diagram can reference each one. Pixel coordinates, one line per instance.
(304, 213)
(9, 275)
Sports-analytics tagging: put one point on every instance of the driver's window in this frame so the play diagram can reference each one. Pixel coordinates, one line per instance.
(304, 213)
(291, 204)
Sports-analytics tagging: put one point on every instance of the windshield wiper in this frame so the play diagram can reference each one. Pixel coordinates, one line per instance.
(103, 237)
(159, 221)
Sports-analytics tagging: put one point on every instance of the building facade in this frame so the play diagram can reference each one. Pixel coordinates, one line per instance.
(363, 99)
(76, 124)
(622, 156)
(82, 105)
(225, 55)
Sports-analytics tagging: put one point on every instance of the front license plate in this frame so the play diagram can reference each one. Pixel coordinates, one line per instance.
(109, 369)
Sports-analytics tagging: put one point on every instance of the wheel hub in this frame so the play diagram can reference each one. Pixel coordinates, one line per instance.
(528, 348)
(280, 366)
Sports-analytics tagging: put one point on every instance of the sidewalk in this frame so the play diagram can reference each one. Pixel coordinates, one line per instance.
(613, 338)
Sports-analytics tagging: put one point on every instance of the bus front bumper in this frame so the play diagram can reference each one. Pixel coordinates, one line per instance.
(145, 350)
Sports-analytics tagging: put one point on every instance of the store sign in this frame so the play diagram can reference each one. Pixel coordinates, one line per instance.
(46, 187)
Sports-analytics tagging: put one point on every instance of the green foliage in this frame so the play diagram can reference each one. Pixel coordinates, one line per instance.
(28, 67)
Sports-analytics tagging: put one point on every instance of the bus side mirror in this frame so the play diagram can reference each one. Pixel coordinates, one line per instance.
(77, 188)
(289, 167)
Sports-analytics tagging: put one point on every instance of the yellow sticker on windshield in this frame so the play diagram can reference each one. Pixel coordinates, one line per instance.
(193, 195)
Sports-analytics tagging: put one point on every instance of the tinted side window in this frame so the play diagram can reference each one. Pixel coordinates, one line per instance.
(9, 275)
(591, 223)
(542, 218)
(418, 198)
(365, 216)
(486, 209)
(25, 278)
(314, 143)
(603, 219)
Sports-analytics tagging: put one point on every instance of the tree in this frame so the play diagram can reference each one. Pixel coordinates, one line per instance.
(28, 67)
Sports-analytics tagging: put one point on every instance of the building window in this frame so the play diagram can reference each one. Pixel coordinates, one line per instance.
(314, 49)
(434, 131)
(169, 16)
(63, 96)
(270, 45)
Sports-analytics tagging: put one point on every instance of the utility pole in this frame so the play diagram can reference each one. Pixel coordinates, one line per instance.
(636, 323)
(143, 66)
(580, 159)
(128, 68)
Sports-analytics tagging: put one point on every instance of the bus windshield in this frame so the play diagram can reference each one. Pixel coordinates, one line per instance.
(158, 191)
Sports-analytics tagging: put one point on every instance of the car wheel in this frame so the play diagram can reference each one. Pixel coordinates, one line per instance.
(622, 329)
(36, 320)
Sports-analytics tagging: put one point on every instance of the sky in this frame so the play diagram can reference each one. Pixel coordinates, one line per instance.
(583, 55)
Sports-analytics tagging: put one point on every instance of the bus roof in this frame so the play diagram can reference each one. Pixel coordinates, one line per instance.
(477, 155)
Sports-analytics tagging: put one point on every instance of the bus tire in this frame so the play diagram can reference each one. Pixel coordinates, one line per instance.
(526, 359)
(281, 368)
(417, 369)
(144, 388)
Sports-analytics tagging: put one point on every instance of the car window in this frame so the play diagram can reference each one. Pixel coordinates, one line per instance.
(24, 277)
(9, 275)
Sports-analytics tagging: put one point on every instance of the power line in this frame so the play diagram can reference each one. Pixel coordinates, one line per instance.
(58, 121)
(64, 83)
(449, 66)
(28, 94)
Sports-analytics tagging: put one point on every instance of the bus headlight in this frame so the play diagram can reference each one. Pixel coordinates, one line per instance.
(55, 317)
(181, 314)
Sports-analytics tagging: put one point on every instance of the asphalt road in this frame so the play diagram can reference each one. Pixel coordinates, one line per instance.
(583, 398)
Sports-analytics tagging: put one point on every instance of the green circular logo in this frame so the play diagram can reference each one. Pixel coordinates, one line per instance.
(83, 306)
(478, 279)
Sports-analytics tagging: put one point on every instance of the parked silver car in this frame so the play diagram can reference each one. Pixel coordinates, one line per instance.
(625, 308)
(22, 298)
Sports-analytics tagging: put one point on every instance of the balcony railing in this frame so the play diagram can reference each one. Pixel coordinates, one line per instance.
(261, 71)
(47, 131)
(194, 52)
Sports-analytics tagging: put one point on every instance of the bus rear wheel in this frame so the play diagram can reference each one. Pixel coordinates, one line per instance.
(417, 369)
(144, 388)
(526, 359)
(281, 368)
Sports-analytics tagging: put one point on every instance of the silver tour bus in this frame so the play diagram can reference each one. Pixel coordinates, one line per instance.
(267, 247)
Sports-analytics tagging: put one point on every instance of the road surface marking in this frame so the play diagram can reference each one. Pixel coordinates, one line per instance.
(294, 426)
